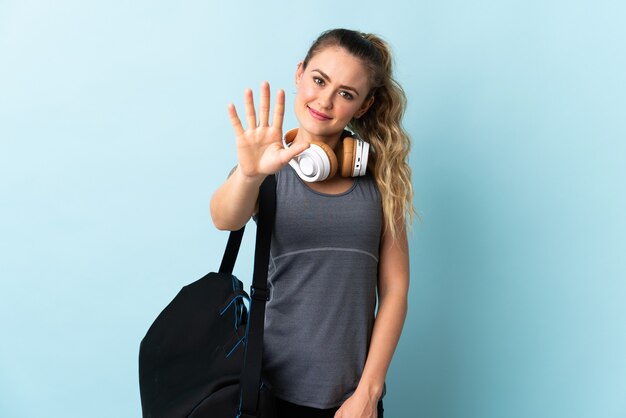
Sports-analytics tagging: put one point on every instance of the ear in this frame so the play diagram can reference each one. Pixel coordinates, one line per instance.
(299, 72)
(364, 107)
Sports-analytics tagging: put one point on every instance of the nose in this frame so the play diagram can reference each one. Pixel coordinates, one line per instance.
(325, 99)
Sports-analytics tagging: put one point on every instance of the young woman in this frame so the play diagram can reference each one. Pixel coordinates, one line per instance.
(338, 242)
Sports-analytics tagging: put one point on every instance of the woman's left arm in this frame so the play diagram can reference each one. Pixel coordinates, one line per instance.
(393, 288)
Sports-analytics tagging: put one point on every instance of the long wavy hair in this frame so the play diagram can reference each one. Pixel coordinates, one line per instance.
(381, 125)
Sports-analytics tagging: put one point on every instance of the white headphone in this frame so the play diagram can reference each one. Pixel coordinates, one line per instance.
(319, 161)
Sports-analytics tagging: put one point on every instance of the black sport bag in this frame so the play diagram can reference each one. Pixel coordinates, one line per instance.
(202, 356)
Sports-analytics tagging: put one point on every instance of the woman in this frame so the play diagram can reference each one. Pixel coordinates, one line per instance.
(338, 242)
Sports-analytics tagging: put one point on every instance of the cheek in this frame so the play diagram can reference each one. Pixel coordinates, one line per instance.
(304, 93)
(347, 109)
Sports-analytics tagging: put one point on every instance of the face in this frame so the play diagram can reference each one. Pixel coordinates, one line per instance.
(332, 90)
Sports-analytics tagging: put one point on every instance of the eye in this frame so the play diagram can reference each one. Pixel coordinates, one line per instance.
(346, 95)
(318, 81)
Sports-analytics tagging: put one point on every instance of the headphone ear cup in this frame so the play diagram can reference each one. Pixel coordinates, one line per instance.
(330, 155)
(353, 155)
(346, 157)
(317, 163)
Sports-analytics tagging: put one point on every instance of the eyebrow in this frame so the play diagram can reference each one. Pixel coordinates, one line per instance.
(323, 74)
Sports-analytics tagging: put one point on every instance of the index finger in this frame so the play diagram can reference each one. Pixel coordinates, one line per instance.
(279, 110)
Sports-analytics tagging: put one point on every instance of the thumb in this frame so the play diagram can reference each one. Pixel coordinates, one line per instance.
(296, 149)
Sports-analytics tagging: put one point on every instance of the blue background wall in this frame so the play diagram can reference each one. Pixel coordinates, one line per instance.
(114, 134)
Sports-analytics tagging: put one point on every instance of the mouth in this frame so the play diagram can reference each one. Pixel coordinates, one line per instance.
(318, 115)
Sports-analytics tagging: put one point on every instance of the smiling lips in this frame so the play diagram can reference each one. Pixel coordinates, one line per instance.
(318, 115)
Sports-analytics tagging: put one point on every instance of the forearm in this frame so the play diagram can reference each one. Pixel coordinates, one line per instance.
(385, 336)
(234, 202)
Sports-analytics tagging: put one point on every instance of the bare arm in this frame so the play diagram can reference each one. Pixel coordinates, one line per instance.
(393, 287)
(234, 202)
(260, 153)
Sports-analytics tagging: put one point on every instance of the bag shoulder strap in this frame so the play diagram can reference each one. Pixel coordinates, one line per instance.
(231, 251)
(259, 295)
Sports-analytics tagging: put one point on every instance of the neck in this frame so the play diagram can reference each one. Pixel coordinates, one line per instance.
(331, 140)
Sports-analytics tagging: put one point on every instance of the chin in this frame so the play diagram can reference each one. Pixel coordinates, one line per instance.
(318, 129)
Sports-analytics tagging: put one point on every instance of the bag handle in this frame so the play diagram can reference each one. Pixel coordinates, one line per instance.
(231, 251)
(259, 295)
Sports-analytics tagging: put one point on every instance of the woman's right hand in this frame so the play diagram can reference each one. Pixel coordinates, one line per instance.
(260, 148)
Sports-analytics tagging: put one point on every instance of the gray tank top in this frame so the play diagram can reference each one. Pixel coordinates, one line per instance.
(322, 276)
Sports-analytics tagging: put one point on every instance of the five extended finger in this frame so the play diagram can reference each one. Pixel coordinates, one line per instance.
(279, 111)
(250, 112)
(234, 120)
(264, 107)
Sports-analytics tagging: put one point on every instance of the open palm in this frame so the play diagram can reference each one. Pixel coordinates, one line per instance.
(260, 148)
